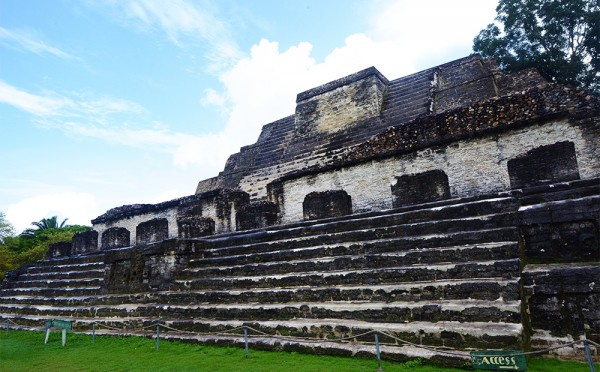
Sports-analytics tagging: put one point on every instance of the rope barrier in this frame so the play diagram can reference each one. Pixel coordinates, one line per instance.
(425, 347)
(108, 327)
(201, 333)
(259, 333)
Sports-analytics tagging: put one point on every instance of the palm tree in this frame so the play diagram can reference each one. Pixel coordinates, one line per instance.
(44, 224)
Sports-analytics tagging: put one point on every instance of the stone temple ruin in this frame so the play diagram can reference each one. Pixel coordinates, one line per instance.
(457, 207)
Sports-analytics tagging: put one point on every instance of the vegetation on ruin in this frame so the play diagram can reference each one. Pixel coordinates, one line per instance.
(32, 244)
(561, 39)
(25, 351)
(44, 224)
(6, 228)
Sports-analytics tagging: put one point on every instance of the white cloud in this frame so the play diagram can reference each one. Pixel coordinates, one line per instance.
(118, 121)
(181, 21)
(53, 105)
(34, 104)
(262, 86)
(78, 207)
(23, 41)
(431, 29)
(214, 98)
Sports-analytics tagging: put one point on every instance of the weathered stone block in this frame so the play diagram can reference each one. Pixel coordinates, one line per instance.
(339, 104)
(143, 268)
(84, 242)
(461, 85)
(574, 241)
(420, 188)
(155, 230)
(60, 249)
(257, 215)
(124, 270)
(332, 203)
(220, 205)
(565, 300)
(543, 165)
(115, 237)
(194, 227)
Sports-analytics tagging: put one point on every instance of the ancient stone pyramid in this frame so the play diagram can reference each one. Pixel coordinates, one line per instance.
(457, 207)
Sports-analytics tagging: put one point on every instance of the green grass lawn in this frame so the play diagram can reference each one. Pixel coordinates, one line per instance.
(25, 351)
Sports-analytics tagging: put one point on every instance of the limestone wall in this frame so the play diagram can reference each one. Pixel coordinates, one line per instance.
(219, 206)
(130, 223)
(474, 167)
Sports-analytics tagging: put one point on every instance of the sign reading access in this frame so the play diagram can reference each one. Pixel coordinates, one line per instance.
(498, 360)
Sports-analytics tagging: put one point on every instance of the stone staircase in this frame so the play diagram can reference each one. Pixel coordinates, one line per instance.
(65, 276)
(441, 274)
(446, 274)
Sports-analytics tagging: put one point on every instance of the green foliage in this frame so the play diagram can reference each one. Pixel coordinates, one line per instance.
(561, 38)
(44, 224)
(22, 250)
(6, 228)
(25, 351)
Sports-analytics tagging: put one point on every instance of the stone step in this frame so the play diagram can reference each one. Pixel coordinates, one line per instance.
(388, 351)
(71, 260)
(446, 333)
(386, 240)
(584, 208)
(428, 212)
(398, 246)
(453, 334)
(406, 99)
(404, 92)
(51, 275)
(70, 267)
(501, 268)
(560, 195)
(420, 101)
(561, 186)
(428, 311)
(397, 117)
(490, 289)
(57, 283)
(328, 258)
(51, 292)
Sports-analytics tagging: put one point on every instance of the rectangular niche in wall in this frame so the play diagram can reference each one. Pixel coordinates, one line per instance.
(420, 188)
(85, 241)
(543, 165)
(115, 237)
(256, 215)
(195, 227)
(325, 204)
(154, 230)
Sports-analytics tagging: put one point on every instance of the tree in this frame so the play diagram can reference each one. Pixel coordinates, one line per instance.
(22, 250)
(6, 228)
(561, 38)
(44, 224)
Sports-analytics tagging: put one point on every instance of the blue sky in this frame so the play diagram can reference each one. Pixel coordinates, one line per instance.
(104, 103)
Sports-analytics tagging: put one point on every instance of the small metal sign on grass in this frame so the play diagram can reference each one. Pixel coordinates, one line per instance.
(64, 325)
(498, 360)
(57, 323)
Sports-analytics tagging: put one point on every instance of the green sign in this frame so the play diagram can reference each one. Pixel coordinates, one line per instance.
(498, 360)
(56, 323)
